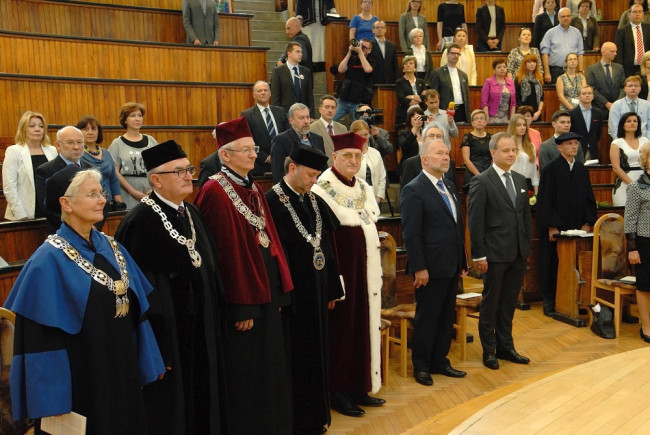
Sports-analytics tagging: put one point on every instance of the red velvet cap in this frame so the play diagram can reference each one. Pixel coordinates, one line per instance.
(348, 140)
(232, 130)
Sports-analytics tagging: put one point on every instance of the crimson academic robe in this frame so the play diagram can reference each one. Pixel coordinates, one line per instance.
(354, 322)
(184, 316)
(256, 281)
(308, 314)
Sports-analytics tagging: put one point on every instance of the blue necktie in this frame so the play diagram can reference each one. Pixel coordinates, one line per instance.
(269, 124)
(296, 82)
(441, 189)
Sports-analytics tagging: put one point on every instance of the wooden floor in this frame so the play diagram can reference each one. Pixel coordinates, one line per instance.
(552, 347)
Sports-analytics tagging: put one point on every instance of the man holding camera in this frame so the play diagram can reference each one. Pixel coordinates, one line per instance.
(357, 88)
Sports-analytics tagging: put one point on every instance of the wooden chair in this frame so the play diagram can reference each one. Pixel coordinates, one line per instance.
(467, 308)
(609, 263)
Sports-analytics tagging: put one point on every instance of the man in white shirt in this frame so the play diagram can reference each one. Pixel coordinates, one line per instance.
(443, 120)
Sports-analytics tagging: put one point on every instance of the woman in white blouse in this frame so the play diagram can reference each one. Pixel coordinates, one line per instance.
(467, 61)
(372, 169)
(420, 52)
(31, 150)
(525, 163)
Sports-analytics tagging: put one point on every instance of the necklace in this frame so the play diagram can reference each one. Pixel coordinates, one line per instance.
(117, 287)
(319, 257)
(188, 243)
(258, 222)
(357, 204)
(91, 152)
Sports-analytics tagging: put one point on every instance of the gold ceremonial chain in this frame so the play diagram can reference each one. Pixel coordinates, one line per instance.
(258, 222)
(117, 287)
(319, 257)
(357, 204)
(188, 243)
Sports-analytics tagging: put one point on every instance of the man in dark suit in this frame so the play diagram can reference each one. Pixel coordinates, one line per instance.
(487, 41)
(70, 141)
(441, 80)
(293, 29)
(581, 114)
(606, 89)
(292, 83)
(265, 121)
(413, 166)
(544, 21)
(385, 55)
(433, 234)
(500, 229)
(629, 54)
(299, 133)
(209, 165)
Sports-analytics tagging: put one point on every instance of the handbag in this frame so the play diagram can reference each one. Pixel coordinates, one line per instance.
(603, 324)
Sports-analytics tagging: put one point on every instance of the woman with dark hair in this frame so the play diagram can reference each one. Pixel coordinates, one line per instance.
(517, 54)
(625, 18)
(409, 90)
(451, 15)
(409, 138)
(412, 19)
(126, 150)
(361, 24)
(587, 24)
(568, 85)
(529, 85)
(498, 94)
(475, 146)
(99, 157)
(624, 155)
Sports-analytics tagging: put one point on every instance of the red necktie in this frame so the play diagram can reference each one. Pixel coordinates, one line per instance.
(639, 45)
(329, 130)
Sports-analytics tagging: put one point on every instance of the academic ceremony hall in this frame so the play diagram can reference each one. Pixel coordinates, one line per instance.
(68, 58)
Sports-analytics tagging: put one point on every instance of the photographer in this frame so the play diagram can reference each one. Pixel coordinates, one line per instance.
(357, 87)
(379, 138)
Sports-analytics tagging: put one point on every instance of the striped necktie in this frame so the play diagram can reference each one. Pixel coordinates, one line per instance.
(269, 123)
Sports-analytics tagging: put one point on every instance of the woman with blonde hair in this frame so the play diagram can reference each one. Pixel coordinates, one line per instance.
(529, 85)
(645, 75)
(32, 149)
(525, 163)
(126, 150)
(424, 61)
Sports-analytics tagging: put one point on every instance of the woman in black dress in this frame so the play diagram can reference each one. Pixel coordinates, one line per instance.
(476, 146)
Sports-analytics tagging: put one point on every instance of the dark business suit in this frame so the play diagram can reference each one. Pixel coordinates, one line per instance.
(603, 91)
(440, 80)
(283, 93)
(305, 43)
(43, 172)
(626, 53)
(593, 38)
(590, 138)
(403, 89)
(282, 146)
(501, 233)
(483, 21)
(385, 68)
(208, 167)
(542, 25)
(257, 124)
(428, 63)
(434, 241)
(413, 166)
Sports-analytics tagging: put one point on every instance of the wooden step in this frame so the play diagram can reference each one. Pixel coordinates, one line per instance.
(66, 56)
(103, 20)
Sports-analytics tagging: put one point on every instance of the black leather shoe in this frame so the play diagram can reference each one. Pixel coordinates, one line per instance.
(451, 372)
(629, 318)
(365, 400)
(490, 361)
(645, 338)
(348, 408)
(512, 356)
(548, 312)
(423, 378)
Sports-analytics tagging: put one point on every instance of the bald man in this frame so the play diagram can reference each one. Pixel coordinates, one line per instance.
(606, 89)
(293, 29)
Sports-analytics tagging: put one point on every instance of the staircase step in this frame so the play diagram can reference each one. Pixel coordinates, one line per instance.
(255, 5)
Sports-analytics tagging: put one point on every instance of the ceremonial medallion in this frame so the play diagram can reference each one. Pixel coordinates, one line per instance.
(263, 238)
(319, 259)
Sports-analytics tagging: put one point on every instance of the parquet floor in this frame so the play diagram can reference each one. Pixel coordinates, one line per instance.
(552, 346)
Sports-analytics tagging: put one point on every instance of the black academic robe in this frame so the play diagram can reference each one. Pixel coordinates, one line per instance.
(308, 314)
(185, 317)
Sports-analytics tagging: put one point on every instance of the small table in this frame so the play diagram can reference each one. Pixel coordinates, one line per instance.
(573, 287)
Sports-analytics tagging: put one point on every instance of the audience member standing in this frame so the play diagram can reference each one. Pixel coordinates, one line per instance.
(409, 89)
(498, 96)
(371, 168)
(529, 85)
(201, 22)
(467, 60)
(410, 20)
(574, 7)
(632, 41)
(292, 83)
(21, 160)
(544, 21)
(607, 79)
(424, 61)
(625, 16)
(517, 54)
(585, 21)
(451, 15)
(356, 88)
(568, 85)
(361, 24)
(440, 118)
(624, 156)
(475, 147)
(326, 127)
(587, 121)
(490, 26)
(525, 163)
(293, 29)
(385, 55)
(558, 42)
(548, 150)
(630, 103)
(452, 85)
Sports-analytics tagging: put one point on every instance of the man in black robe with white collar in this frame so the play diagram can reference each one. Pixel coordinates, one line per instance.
(169, 240)
(304, 223)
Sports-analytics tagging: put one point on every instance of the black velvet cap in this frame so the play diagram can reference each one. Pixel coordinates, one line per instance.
(162, 153)
(56, 185)
(567, 136)
(308, 156)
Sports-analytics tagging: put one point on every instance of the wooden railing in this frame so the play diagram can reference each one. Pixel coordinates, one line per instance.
(100, 20)
(74, 57)
(64, 101)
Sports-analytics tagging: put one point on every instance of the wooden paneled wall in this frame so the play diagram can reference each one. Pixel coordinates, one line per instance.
(516, 10)
(163, 4)
(101, 21)
(71, 57)
(65, 101)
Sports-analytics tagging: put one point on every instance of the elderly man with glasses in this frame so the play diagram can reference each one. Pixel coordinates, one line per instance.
(354, 323)
(413, 166)
(256, 282)
(70, 142)
(170, 241)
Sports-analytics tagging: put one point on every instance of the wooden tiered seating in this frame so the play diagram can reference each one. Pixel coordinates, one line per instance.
(103, 20)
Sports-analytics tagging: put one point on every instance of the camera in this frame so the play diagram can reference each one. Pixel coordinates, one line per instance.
(371, 116)
(354, 42)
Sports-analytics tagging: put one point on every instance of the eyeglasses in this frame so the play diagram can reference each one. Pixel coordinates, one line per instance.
(91, 195)
(453, 53)
(434, 136)
(246, 150)
(350, 156)
(180, 172)
(70, 143)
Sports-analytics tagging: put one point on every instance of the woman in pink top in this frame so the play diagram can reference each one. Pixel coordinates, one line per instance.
(498, 94)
